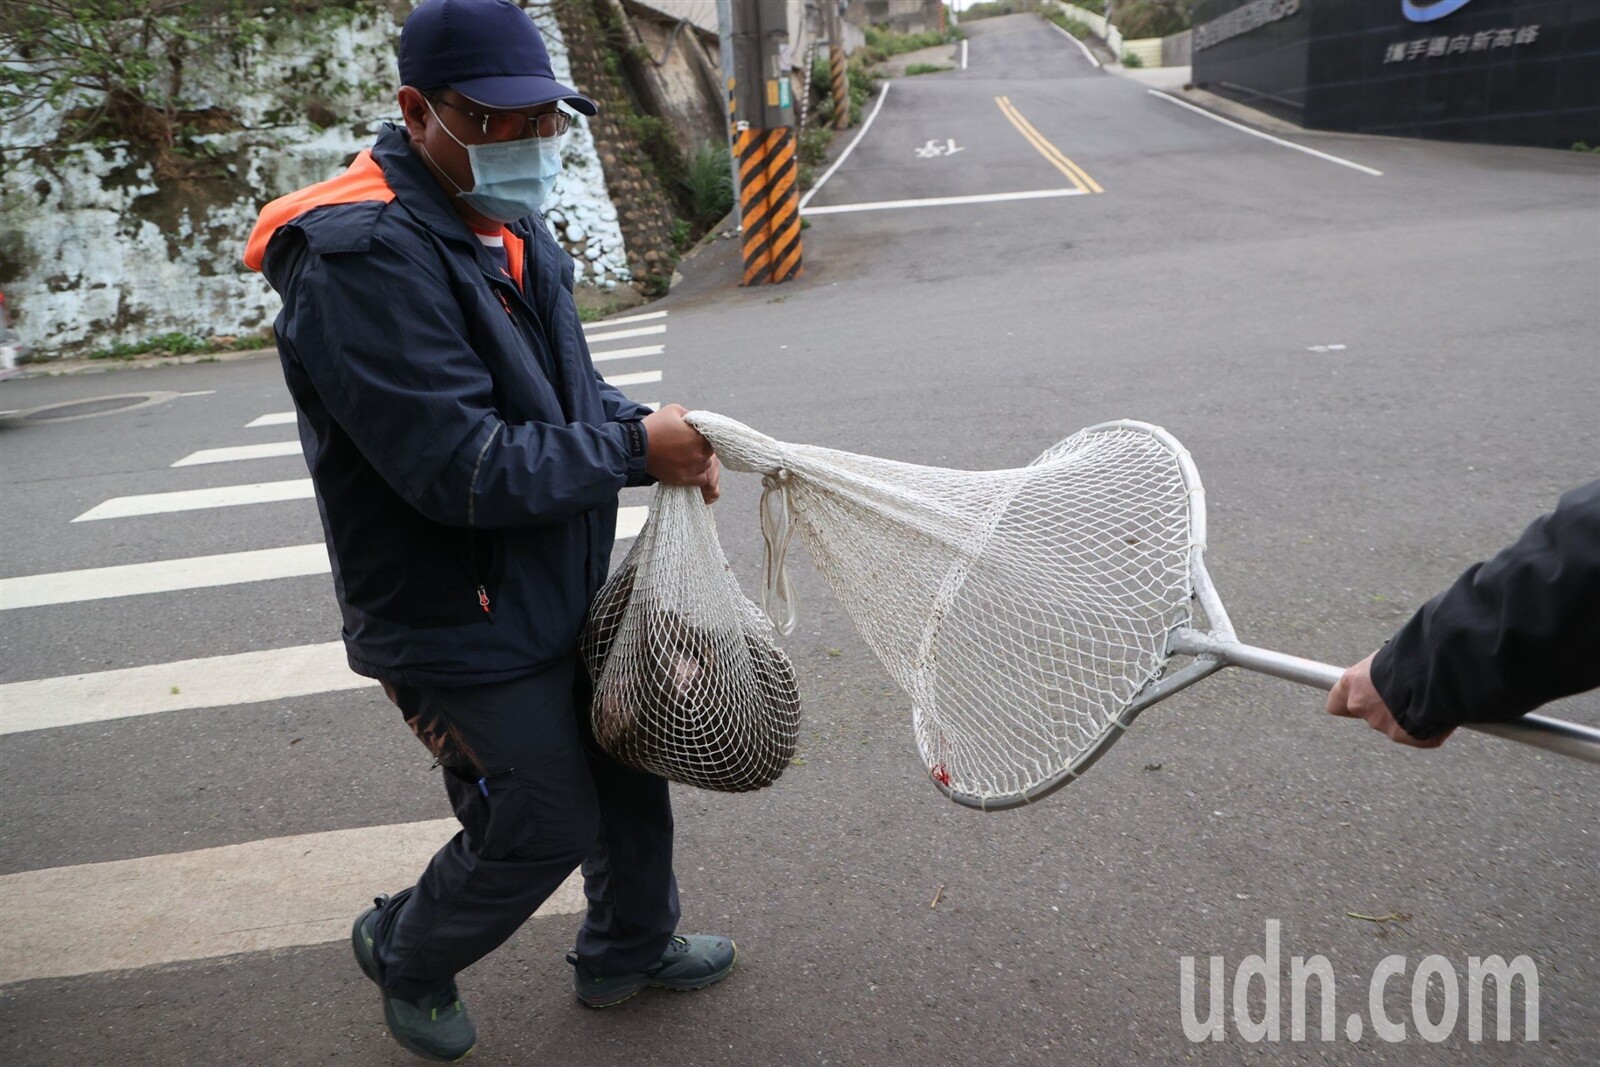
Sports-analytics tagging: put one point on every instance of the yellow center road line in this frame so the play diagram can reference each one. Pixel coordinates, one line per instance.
(1074, 173)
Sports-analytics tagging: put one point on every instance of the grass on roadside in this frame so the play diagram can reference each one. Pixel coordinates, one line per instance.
(883, 43)
(707, 188)
(182, 344)
(927, 68)
(1057, 16)
(596, 312)
(812, 152)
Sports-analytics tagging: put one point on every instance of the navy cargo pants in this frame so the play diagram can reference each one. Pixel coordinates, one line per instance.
(536, 797)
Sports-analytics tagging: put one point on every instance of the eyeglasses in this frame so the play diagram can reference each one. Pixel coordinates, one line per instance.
(513, 125)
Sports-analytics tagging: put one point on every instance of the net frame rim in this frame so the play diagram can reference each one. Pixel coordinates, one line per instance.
(1163, 684)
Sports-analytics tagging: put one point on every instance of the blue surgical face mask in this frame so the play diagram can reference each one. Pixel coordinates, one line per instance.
(510, 179)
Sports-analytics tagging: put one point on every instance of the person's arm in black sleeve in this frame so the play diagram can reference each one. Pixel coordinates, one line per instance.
(385, 344)
(1512, 633)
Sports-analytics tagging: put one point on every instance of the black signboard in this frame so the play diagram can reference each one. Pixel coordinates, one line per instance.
(1507, 71)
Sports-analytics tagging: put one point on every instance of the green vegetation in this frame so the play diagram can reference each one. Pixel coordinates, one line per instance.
(1135, 19)
(883, 43)
(680, 235)
(125, 70)
(1055, 15)
(863, 87)
(1138, 19)
(596, 312)
(707, 188)
(927, 68)
(1132, 59)
(1583, 146)
(811, 151)
(989, 9)
(182, 344)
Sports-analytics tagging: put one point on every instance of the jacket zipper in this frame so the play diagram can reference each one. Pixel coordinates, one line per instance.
(472, 499)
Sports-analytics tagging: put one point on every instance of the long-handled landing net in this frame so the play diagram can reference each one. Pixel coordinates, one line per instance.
(1031, 614)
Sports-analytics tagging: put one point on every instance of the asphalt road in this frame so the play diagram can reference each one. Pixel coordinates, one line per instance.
(1381, 377)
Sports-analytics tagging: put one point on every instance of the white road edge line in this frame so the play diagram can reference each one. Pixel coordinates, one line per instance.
(608, 323)
(963, 53)
(238, 452)
(270, 894)
(1088, 54)
(276, 418)
(183, 685)
(222, 496)
(865, 126)
(1265, 136)
(626, 353)
(941, 201)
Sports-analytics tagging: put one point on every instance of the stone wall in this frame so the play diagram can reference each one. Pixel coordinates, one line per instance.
(595, 35)
(97, 248)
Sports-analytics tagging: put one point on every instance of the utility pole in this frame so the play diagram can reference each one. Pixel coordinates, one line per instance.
(729, 82)
(838, 67)
(764, 141)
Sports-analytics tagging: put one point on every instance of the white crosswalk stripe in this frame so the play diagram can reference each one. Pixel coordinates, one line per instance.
(627, 353)
(162, 576)
(239, 452)
(211, 682)
(640, 378)
(622, 335)
(646, 317)
(273, 893)
(222, 496)
(198, 572)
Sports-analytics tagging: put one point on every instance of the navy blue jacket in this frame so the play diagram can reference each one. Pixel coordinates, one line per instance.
(466, 454)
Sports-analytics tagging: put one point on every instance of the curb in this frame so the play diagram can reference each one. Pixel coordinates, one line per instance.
(58, 367)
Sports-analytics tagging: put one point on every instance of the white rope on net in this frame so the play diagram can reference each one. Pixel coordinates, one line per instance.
(1022, 610)
(690, 683)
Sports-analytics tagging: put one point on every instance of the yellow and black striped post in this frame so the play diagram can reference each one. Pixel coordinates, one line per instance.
(769, 203)
(841, 83)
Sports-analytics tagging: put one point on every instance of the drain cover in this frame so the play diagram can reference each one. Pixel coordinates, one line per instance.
(92, 407)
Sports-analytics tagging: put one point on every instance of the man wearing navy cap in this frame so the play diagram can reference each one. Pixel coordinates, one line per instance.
(467, 459)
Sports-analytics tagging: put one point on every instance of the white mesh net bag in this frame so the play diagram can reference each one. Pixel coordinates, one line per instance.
(1022, 610)
(690, 683)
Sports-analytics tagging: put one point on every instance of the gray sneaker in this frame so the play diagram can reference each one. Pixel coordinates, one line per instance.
(691, 962)
(437, 1026)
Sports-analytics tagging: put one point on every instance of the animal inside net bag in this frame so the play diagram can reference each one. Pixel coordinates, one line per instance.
(690, 682)
(1020, 609)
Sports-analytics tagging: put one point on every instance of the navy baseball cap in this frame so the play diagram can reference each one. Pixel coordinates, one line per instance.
(489, 51)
